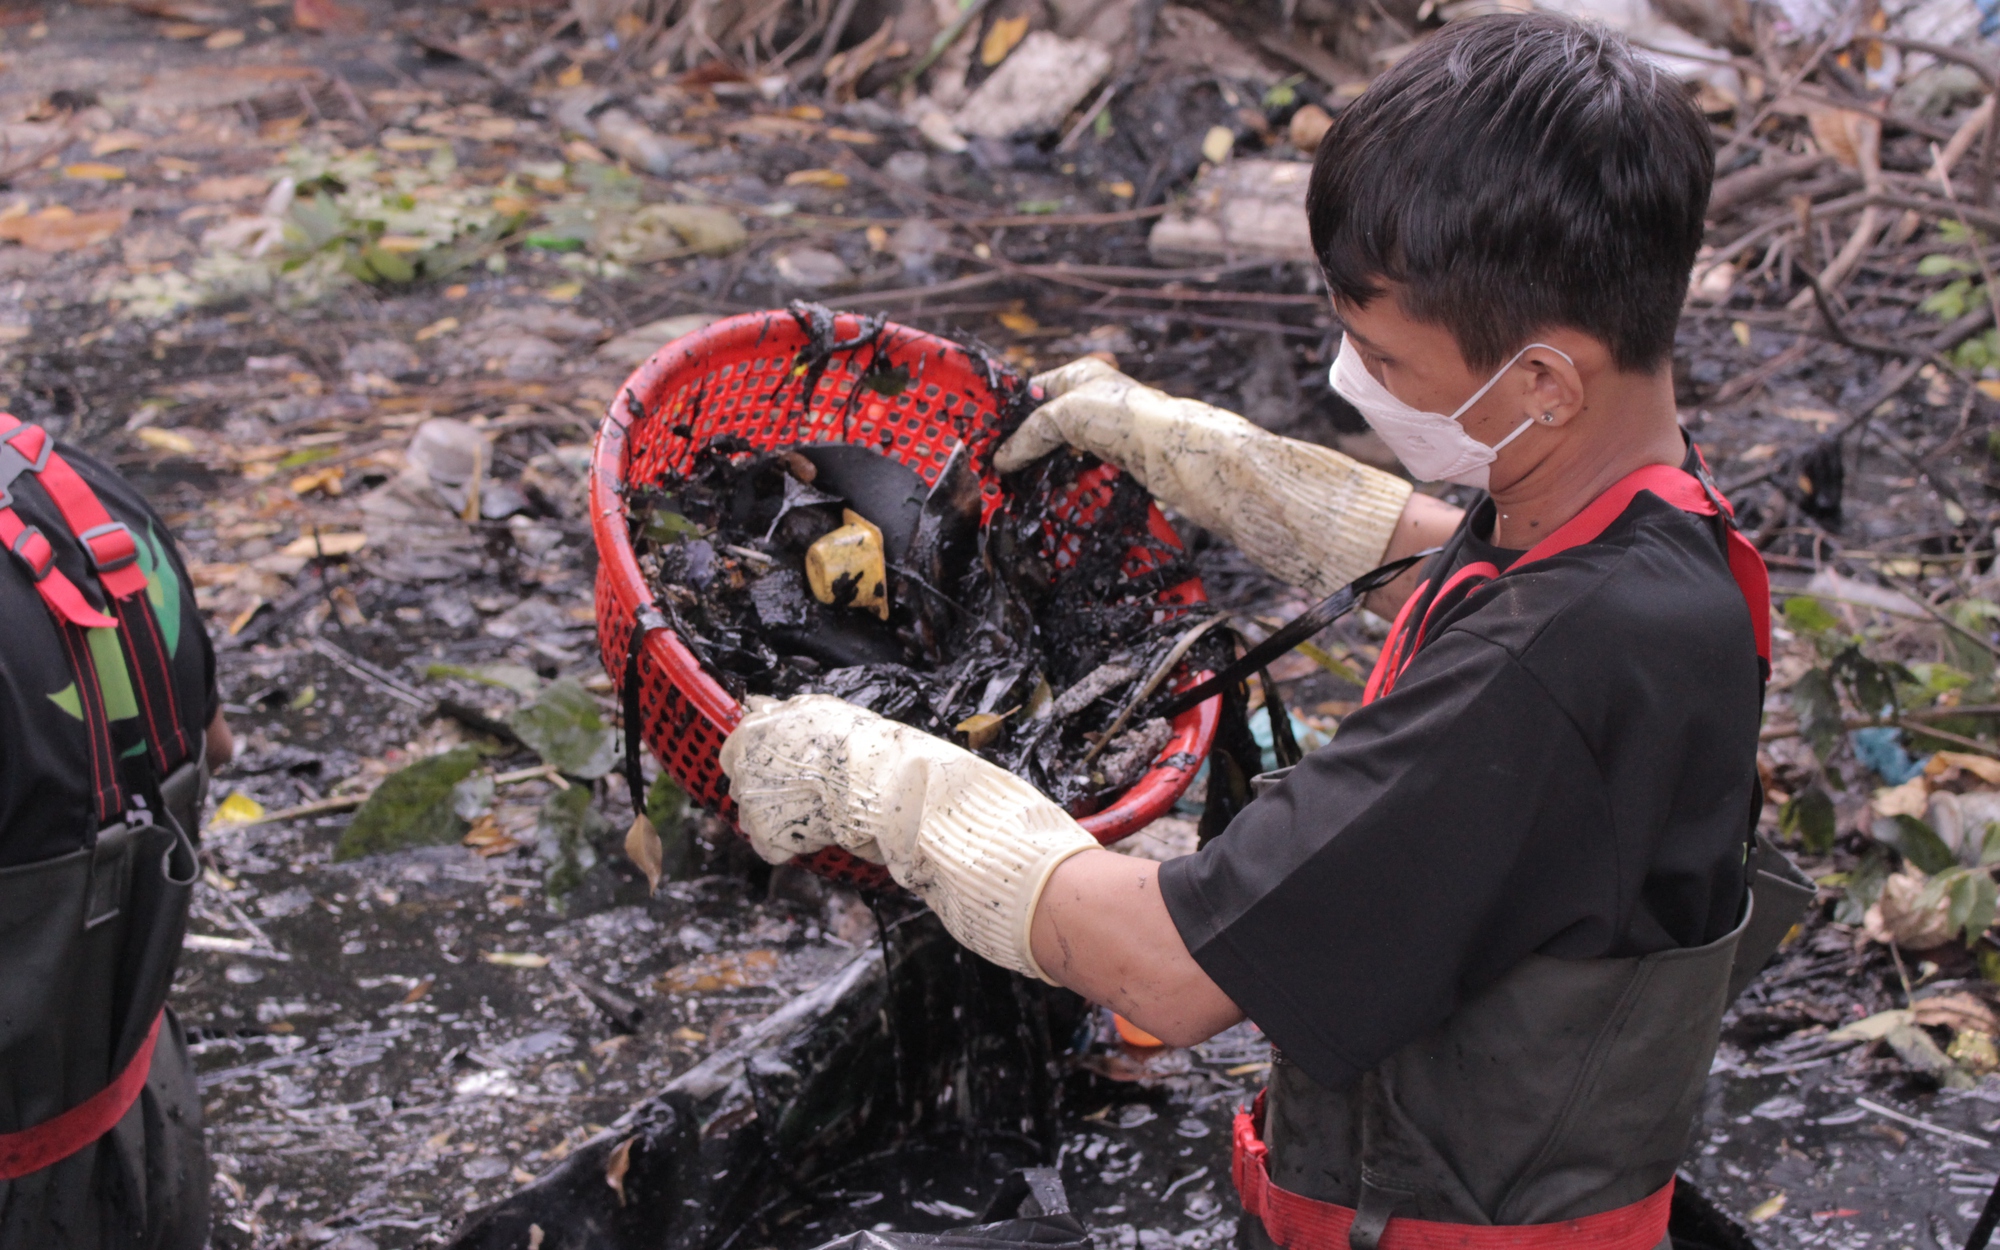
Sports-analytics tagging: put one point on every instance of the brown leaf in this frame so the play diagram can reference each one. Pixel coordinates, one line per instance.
(488, 838)
(1897, 917)
(1942, 762)
(732, 971)
(223, 189)
(1962, 1010)
(420, 989)
(57, 229)
(642, 847)
(327, 16)
(1844, 134)
(617, 1165)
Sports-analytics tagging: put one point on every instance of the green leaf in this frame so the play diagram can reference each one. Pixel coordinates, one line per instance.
(1810, 616)
(1916, 842)
(887, 381)
(564, 728)
(1863, 886)
(666, 807)
(412, 807)
(1937, 264)
(519, 678)
(552, 241)
(1949, 302)
(1284, 94)
(1989, 846)
(663, 526)
(1937, 678)
(306, 455)
(388, 266)
(1978, 352)
(566, 835)
(1972, 905)
(1968, 896)
(1039, 208)
(1817, 705)
(1871, 684)
(1810, 815)
(1976, 616)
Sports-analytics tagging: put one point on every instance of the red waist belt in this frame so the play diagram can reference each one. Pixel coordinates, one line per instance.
(54, 1140)
(1300, 1223)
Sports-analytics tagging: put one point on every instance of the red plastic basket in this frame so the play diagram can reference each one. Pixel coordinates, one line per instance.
(738, 377)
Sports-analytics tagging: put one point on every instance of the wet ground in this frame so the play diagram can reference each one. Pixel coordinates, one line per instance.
(389, 1043)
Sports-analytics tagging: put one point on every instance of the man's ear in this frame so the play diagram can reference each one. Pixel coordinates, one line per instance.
(1555, 389)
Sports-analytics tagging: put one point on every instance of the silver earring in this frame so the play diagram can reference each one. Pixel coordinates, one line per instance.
(1548, 418)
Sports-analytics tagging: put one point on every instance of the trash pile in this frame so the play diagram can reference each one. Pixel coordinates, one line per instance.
(1033, 640)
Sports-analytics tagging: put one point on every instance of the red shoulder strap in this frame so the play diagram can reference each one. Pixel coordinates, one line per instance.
(1674, 485)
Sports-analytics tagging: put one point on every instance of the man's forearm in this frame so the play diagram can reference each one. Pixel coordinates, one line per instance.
(1102, 929)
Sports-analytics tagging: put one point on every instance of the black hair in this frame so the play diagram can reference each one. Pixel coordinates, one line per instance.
(1516, 173)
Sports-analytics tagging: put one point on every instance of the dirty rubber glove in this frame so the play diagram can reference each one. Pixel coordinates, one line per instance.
(971, 839)
(1304, 513)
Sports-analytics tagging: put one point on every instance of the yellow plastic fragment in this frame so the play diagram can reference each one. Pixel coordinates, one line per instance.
(845, 567)
(238, 809)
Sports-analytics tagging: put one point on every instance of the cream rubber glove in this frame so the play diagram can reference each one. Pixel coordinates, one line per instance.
(971, 839)
(1304, 513)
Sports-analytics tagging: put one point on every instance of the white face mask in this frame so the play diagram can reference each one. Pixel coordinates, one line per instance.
(1432, 446)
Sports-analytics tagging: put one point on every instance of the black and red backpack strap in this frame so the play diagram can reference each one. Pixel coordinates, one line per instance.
(112, 551)
(1690, 492)
(117, 750)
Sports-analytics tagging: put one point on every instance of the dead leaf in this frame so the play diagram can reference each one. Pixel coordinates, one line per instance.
(1309, 126)
(222, 190)
(93, 171)
(1974, 1051)
(1980, 766)
(1843, 133)
(488, 838)
(1898, 917)
(643, 848)
(306, 547)
(1019, 322)
(1962, 1010)
(58, 229)
(327, 16)
(1911, 798)
(981, 728)
(617, 1165)
(114, 141)
(180, 10)
(420, 989)
(323, 481)
(1001, 38)
(1872, 1028)
(172, 442)
(831, 179)
(223, 40)
(725, 971)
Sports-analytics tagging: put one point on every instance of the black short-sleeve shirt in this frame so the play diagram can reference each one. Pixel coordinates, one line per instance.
(46, 803)
(1567, 766)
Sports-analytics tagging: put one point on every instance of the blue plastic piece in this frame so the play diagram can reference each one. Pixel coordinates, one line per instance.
(1881, 748)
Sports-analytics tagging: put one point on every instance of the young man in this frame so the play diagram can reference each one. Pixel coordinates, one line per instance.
(1490, 928)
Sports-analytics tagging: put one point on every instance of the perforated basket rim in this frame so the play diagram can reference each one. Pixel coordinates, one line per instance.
(1147, 799)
